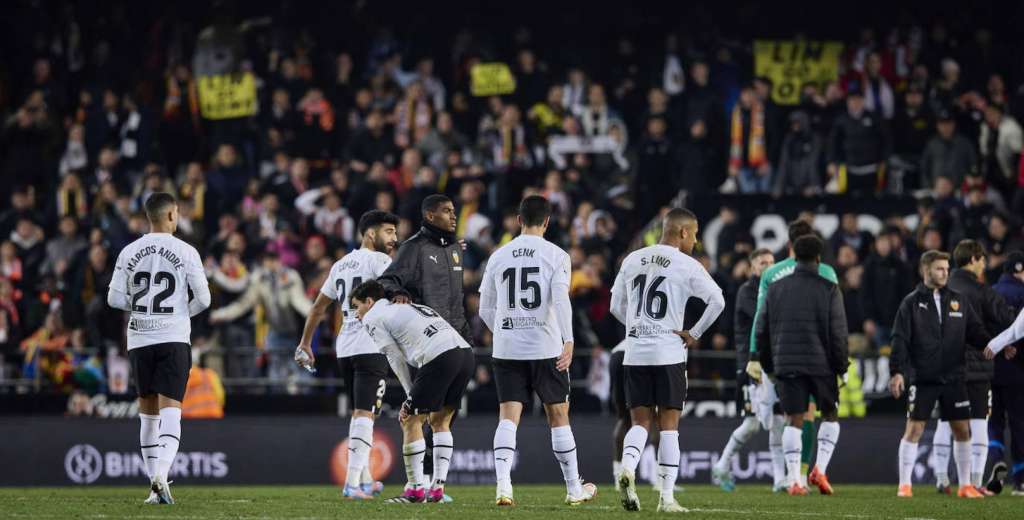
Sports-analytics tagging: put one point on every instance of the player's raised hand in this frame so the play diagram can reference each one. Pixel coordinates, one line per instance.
(896, 385)
(565, 358)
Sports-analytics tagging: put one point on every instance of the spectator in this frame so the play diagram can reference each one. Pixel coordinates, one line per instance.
(62, 250)
(911, 131)
(547, 116)
(330, 219)
(887, 279)
(749, 168)
(799, 171)
(370, 145)
(279, 290)
(858, 147)
(656, 162)
(878, 96)
(948, 154)
(1001, 141)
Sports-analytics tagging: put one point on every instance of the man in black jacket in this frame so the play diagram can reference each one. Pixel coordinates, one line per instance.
(428, 266)
(932, 328)
(747, 403)
(858, 147)
(804, 328)
(995, 315)
(428, 270)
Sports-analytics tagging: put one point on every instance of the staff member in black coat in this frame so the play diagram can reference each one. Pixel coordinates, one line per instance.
(804, 327)
(428, 270)
(428, 266)
(995, 315)
(932, 328)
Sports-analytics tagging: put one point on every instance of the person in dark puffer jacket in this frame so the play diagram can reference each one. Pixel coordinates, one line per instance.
(804, 327)
(995, 315)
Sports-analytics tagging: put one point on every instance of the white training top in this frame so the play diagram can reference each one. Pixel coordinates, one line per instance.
(151, 280)
(410, 334)
(524, 299)
(649, 297)
(359, 266)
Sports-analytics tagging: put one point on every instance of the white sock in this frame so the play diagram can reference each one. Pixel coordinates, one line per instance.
(366, 477)
(413, 454)
(962, 457)
(791, 447)
(563, 444)
(360, 442)
(668, 463)
(149, 429)
(616, 469)
(775, 447)
(444, 446)
(942, 444)
(170, 438)
(979, 450)
(633, 447)
(908, 459)
(743, 433)
(504, 451)
(828, 436)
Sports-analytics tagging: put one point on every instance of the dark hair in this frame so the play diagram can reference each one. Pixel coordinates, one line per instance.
(374, 218)
(369, 289)
(966, 251)
(759, 252)
(808, 248)
(799, 228)
(930, 257)
(158, 203)
(432, 202)
(534, 210)
(679, 216)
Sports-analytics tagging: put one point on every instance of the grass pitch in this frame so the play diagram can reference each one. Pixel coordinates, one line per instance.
(477, 503)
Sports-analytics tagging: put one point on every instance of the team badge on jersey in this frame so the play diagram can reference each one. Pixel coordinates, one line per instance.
(954, 305)
(455, 256)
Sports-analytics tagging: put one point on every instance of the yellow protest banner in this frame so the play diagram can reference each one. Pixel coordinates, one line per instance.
(491, 79)
(792, 64)
(227, 96)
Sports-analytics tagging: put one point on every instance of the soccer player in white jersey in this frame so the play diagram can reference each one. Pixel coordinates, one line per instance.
(151, 280)
(359, 359)
(413, 334)
(649, 297)
(524, 300)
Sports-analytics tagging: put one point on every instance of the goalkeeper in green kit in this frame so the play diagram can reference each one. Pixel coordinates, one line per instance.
(797, 229)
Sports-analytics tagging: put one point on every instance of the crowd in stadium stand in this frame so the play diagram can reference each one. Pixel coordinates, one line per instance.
(95, 119)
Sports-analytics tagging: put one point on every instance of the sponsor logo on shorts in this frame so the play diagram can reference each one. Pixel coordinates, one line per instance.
(962, 404)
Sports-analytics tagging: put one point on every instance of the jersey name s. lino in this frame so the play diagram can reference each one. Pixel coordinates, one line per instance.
(151, 280)
(359, 266)
(418, 332)
(649, 296)
(524, 299)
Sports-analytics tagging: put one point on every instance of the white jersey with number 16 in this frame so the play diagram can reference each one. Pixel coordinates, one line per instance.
(649, 297)
(151, 280)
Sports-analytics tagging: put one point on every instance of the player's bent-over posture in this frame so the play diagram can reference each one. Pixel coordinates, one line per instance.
(649, 297)
(413, 334)
(524, 300)
(151, 281)
(359, 359)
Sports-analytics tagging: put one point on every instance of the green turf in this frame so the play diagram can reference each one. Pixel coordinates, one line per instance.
(476, 503)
